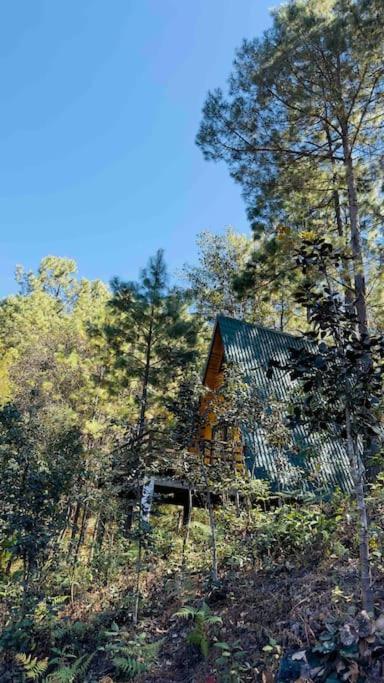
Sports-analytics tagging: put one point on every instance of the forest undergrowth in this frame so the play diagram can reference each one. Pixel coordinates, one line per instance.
(285, 606)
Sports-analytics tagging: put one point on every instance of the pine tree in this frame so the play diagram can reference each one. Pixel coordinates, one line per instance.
(154, 338)
(300, 129)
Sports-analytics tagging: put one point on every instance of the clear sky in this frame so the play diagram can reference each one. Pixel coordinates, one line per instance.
(100, 105)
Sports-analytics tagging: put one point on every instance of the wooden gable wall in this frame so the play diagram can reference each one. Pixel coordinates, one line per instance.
(213, 376)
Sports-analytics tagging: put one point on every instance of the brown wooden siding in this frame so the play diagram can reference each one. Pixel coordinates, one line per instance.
(214, 448)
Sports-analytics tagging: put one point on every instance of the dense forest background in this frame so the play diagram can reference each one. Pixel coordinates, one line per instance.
(100, 383)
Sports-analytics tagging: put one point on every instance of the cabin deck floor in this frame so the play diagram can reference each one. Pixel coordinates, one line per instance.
(169, 491)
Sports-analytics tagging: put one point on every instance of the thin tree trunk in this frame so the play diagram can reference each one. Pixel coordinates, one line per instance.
(212, 523)
(357, 469)
(282, 311)
(75, 528)
(179, 522)
(94, 538)
(355, 239)
(100, 531)
(359, 279)
(237, 496)
(25, 584)
(83, 526)
(187, 526)
(346, 276)
(144, 390)
(9, 565)
(139, 562)
(66, 522)
(140, 432)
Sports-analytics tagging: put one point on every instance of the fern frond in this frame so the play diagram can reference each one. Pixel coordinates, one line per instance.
(33, 668)
(73, 673)
(128, 666)
(186, 612)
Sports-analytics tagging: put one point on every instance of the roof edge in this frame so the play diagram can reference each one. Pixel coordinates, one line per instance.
(259, 327)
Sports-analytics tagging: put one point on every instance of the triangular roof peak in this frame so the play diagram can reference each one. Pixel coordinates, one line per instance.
(247, 344)
(251, 345)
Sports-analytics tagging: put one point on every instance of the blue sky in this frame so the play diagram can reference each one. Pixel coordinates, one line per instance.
(100, 105)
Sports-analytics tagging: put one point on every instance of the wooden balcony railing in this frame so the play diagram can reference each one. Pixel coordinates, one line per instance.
(230, 453)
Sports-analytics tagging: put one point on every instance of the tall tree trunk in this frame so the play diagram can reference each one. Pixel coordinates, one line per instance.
(359, 280)
(357, 469)
(140, 432)
(355, 238)
(346, 276)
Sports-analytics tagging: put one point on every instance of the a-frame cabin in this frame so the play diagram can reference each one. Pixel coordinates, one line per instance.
(313, 462)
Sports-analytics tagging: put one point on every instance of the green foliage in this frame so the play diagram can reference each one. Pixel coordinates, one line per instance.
(32, 667)
(69, 632)
(202, 618)
(36, 474)
(280, 536)
(80, 408)
(344, 651)
(299, 129)
(221, 257)
(288, 530)
(48, 443)
(75, 672)
(129, 656)
(154, 339)
(128, 667)
(284, 92)
(231, 662)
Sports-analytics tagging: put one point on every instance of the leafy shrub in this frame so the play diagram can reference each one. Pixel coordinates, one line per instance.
(231, 662)
(129, 657)
(349, 651)
(290, 531)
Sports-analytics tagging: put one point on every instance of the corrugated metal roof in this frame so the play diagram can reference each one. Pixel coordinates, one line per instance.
(316, 460)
